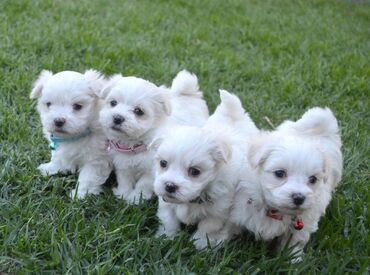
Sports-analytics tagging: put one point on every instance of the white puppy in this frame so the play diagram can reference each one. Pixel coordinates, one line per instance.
(68, 107)
(289, 180)
(197, 170)
(135, 111)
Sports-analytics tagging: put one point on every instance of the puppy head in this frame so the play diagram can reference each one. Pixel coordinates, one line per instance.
(187, 162)
(290, 171)
(66, 100)
(133, 107)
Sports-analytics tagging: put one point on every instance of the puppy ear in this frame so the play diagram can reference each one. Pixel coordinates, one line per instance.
(109, 85)
(162, 98)
(156, 142)
(38, 85)
(222, 152)
(258, 154)
(95, 80)
(165, 102)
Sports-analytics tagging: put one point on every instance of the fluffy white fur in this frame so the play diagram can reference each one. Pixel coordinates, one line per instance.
(161, 108)
(217, 152)
(307, 148)
(71, 97)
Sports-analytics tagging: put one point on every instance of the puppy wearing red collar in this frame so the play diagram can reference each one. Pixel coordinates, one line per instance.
(289, 179)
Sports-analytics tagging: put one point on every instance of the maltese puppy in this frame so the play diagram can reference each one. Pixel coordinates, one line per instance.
(68, 107)
(134, 113)
(197, 170)
(289, 179)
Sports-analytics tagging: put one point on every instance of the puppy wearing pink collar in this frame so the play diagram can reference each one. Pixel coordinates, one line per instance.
(134, 112)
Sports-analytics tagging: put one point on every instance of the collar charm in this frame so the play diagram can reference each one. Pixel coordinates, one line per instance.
(298, 224)
(54, 140)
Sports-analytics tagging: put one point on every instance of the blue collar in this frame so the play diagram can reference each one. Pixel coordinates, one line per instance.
(54, 140)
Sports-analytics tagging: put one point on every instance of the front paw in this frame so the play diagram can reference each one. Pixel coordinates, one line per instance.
(120, 194)
(161, 231)
(136, 197)
(77, 194)
(48, 169)
(200, 243)
(296, 259)
(81, 194)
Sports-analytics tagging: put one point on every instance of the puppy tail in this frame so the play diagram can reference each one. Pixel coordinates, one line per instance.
(231, 112)
(316, 121)
(96, 81)
(186, 84)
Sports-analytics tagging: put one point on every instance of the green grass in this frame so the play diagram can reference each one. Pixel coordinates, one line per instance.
(280, 57)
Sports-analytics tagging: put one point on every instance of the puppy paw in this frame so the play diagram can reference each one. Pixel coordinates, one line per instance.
(47, 169)
(161, 231)
(137, 196)
(200, 243)
(296, 260)
(81, 194)
(118, 193)
(77, 194)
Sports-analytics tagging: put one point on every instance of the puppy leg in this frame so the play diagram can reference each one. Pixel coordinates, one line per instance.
(91, 179)
(211, 229)
(125, 181)
(48, 169)
(170, 224)
(54, 167)
(143, 189)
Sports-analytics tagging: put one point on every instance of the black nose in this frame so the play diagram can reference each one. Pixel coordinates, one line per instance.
(117, 119)
(298, 198)
(59, 122)
(170, 187)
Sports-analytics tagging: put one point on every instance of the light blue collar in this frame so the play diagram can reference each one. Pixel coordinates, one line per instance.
(54, 140)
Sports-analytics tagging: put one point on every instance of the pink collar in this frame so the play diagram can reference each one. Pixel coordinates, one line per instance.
(124, 148)
(274, 214)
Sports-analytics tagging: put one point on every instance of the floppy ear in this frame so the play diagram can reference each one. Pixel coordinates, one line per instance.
(156, 142)
(258, 153)
(95, 80)
(38, 85)
(108, 85)
(163, 98)
(222, 151)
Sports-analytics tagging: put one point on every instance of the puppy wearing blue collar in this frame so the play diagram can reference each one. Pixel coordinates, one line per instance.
(68, 106)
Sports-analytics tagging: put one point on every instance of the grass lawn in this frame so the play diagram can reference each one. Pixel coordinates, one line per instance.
(280, 57)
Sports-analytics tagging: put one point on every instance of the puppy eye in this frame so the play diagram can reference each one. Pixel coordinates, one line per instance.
(312, 179)
(163, 163)
(194, 172)
(48, 104)
(77, 107)
(280, 174)
(138, 111)
(113, 103)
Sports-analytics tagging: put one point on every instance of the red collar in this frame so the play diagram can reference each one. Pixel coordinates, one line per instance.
(274, 214)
